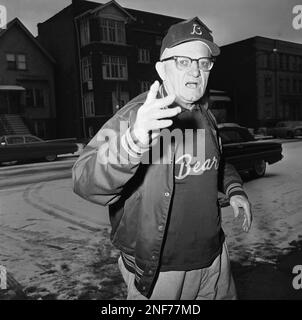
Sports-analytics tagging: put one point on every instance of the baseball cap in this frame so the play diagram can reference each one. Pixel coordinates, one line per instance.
(189, 30)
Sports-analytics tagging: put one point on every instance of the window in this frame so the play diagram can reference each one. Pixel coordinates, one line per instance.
(119, 99)
(84, 32)
(86, 68)
(143, 55)
(112, 31)
(89, 104)
(11, 61)
(144, 86)
(35, 97)
(267, 86)
(114, 67)
(21, 62)
(31, 139)
(16, 61)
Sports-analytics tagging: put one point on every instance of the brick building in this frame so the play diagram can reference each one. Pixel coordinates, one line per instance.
(105, 56)
(264, 79)
(27, 96)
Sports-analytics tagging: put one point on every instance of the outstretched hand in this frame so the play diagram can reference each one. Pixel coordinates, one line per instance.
(154, 114)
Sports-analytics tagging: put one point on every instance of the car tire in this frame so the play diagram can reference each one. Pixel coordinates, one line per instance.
(258, 169)
(52, 157)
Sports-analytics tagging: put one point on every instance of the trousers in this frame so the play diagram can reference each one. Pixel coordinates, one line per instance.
(211, 283)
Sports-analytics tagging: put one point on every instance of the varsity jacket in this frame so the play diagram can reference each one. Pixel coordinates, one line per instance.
(138, 194)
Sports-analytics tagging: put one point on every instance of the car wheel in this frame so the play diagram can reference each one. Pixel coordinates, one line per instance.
(258, 169)
(50, 158)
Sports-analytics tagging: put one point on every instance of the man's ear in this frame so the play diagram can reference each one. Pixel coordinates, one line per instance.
(160, 68)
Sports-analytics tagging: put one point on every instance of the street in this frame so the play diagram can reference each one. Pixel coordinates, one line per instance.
(56, 245)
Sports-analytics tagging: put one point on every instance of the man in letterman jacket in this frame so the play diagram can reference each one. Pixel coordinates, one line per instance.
(165, 214)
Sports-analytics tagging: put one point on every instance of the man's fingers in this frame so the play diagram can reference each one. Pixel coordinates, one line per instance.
(248, 216)
(162, 103)
(152, 92)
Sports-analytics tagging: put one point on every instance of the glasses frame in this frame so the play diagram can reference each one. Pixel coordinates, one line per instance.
(212, 59)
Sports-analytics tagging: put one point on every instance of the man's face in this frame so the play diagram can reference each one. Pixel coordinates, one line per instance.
(190, 84)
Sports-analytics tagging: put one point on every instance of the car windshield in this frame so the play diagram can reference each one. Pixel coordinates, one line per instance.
(235, 135)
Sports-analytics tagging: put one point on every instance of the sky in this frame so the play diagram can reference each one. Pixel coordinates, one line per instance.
(230, 20)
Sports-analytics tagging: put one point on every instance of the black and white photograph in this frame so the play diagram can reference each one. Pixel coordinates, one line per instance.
(150, 150)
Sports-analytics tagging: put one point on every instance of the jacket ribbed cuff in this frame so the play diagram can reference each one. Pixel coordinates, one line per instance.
(132, 145)
(235, 188)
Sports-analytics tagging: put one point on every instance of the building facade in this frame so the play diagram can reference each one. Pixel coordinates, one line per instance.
(27, 90)
(264, 79)
(105, 56)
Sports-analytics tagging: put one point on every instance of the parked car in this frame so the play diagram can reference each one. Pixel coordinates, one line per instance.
(241, 149)
(286, 129)
(28, 147)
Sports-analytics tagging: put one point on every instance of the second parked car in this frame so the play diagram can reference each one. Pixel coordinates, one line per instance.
(286, 129)
(245, 153)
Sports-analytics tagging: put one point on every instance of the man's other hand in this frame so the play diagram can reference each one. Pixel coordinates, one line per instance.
(240, 204)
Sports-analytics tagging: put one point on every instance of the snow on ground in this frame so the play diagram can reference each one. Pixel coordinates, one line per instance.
(56, 245)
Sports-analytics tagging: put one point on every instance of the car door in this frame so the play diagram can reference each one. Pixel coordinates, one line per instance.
(13, 148)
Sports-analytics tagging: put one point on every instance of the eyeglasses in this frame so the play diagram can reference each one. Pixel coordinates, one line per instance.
(184, 63)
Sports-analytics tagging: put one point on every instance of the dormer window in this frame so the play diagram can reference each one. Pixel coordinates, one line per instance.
(112, 31)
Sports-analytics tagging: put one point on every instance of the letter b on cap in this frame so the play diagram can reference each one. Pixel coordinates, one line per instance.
(3, 280)
(3, 17)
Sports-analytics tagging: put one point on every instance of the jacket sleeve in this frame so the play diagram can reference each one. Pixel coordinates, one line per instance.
(230, 182)
(107, 163)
